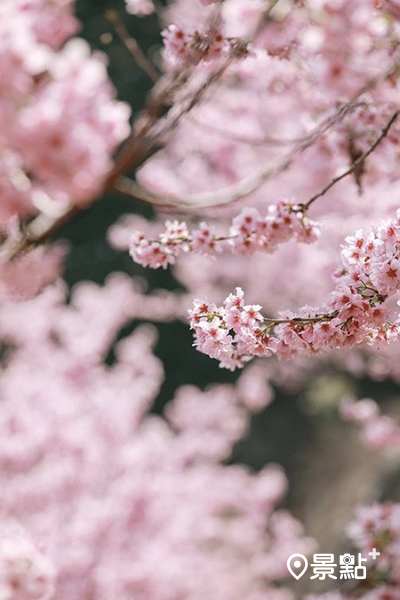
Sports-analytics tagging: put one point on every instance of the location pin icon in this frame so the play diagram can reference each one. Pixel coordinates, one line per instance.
(297, 565)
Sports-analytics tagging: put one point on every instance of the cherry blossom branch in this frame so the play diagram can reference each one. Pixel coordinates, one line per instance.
(356, 163)
(132, 45)
(265, 140)
(166, 127)
(354, 313)
(194, 202)
(250, 232)
(237, 191)
(148, 136)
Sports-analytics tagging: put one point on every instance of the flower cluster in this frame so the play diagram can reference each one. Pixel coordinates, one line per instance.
(59, 121)
(378, 526)
(78, 124)
(48, 22)
(320, 54)
(375, 526)
(121, 501)
(378, 431)
(25, 573)
(184, 47)
(250, 232)
(370, 273)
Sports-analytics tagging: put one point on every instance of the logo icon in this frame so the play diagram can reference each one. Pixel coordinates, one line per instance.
(297, 565)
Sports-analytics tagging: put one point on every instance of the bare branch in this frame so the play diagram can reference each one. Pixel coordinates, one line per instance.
(356, 163)
(132, 45)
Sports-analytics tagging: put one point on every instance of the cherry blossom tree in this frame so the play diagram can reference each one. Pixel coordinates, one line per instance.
(267, 150)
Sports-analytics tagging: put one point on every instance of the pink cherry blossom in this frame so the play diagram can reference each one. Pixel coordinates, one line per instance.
(354, 313)
(25, 573)
(133, 499)
(60, 123)
(102, 496)
(183, 47)
(250, 232)
(378, 431)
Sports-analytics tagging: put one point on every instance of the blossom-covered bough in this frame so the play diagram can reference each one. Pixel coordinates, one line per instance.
(288, 107)
(354, 314)
(235, 332)
(250, 232)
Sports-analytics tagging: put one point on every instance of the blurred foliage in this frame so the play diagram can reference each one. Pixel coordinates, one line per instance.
(325, 392)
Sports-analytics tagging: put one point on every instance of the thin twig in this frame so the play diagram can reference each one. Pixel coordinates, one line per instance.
(356, 163)
(271, 7)
(132, 45)
(324, 317)
(265, 140)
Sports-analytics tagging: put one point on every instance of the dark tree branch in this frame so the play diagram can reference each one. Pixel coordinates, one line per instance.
(356, 163)
(132, 45)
